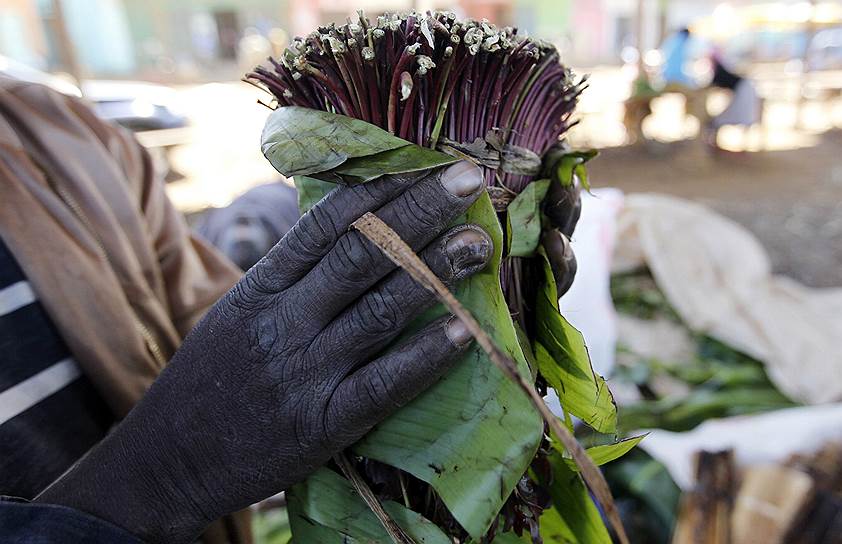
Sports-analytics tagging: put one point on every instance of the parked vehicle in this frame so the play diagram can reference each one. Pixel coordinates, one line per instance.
(151, 111)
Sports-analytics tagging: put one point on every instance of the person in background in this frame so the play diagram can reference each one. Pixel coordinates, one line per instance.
(674, 77)
(245, 230)
(677, 76)
(745, 107)
(676, 54)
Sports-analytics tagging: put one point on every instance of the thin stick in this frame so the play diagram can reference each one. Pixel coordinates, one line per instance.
(373, 228)
(396, 532)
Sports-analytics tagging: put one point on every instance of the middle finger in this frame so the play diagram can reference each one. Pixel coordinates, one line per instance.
(355, 264)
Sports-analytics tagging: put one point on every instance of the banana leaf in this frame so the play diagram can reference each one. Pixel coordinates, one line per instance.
(327, 509)
(300, 141)
(523, 219)
(608, 452)
(473, 434)
(574, 518)
(563, 360)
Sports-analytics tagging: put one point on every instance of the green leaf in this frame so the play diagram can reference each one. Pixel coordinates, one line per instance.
(410, 158)
(512, 538)
(648, 486)
(574, 517)
(570, 163)
(474, 433)
(327, 510)
(299, 140)
(526, 348)
(310, 191)
(564, 362)
(524, 216)
(608, 452)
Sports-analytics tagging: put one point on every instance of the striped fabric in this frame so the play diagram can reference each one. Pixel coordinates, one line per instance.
(50, 415)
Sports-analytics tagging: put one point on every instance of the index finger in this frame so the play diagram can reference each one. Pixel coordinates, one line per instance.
(316, 232)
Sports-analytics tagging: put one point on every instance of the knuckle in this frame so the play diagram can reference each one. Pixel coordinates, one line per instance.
(316, 230)
(264, 278)
(372, 192)
(378, 387)
(247, 295)
(420, 214)
(380, 312)
(354, 259)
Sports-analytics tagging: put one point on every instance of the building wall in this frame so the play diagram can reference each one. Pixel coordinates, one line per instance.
(192, 37)
(545, 19)
(21, 33)
(99, 30)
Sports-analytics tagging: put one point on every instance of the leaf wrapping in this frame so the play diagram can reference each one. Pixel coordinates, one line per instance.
(473, 434)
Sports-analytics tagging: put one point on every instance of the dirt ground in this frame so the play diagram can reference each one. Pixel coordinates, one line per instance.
(790, 199)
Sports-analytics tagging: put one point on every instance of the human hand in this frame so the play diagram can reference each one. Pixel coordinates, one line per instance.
(293, 365)
(562, 206)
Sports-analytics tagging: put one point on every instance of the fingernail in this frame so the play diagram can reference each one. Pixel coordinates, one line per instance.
(462, 179)
(568, 249)
(467, 248)
(457, 332)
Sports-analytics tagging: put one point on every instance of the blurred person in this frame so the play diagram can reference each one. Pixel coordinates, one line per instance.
(100, 280)
(676, 55)
(745, 107)
(673, 77)
(254, 222)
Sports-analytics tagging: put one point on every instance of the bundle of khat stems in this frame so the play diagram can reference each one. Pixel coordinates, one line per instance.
(473, 459)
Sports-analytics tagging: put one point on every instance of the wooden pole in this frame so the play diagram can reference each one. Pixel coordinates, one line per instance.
(639, 31)
(810, 32)
(65, 48)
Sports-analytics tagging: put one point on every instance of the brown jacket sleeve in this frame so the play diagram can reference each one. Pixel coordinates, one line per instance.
(117, 256)
(194, 275)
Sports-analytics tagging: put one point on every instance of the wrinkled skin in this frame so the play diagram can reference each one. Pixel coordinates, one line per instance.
(293, 365)
(290, 366)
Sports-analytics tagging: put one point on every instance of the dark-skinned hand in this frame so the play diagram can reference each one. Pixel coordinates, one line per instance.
(562, 207)
(290, 367)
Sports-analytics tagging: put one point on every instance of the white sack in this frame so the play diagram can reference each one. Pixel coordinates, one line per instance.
(718, 278)
(756, 440)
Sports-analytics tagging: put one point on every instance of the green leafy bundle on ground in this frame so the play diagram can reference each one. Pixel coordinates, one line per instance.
(713, 380)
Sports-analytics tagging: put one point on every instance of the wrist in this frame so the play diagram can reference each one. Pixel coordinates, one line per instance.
(134, 486)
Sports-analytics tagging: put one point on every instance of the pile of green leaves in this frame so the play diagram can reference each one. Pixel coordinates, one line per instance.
(717, 381)
(471, 439)
(714, 381)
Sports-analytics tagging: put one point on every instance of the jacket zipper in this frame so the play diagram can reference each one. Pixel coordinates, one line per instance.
(151, 344)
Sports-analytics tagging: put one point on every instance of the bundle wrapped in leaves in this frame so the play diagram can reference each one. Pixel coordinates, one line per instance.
(470, 460)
